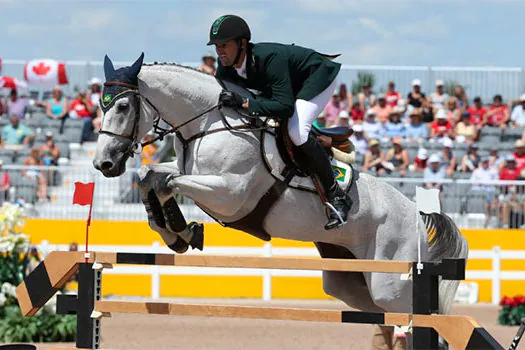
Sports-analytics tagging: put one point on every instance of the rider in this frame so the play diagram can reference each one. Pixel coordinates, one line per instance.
(296, 83)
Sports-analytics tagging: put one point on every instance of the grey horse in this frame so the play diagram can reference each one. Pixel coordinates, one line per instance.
(224, 174)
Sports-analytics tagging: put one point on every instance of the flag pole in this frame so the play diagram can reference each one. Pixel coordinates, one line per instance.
(88, 223)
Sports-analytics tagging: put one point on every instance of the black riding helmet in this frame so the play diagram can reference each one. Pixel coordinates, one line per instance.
(230, 27)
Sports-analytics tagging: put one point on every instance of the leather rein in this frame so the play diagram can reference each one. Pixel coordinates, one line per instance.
(136, 146)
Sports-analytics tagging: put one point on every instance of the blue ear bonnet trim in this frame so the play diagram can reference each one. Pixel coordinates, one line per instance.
(112, 93)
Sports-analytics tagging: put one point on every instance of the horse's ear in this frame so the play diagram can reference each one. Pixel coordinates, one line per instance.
(108, 67)
(135, 68)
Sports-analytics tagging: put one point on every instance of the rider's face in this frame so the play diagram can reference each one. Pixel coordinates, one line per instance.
(226, 51)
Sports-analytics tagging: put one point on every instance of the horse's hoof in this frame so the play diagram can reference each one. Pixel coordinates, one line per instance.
(197, 237)
(180, 246)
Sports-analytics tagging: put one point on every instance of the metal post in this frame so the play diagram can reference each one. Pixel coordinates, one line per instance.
(425, 300)
(88, 329)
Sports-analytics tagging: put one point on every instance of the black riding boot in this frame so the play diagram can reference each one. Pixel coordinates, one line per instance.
(319, 166)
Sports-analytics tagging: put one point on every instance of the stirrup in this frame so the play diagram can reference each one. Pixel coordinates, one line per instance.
(340, 223)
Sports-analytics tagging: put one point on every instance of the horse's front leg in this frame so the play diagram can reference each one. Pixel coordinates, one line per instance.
(164, 215)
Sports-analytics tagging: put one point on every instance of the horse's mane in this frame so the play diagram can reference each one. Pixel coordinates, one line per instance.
(173, 64)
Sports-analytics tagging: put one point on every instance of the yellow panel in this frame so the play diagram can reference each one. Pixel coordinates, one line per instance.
(486, 239)
(513, 265)
(126, 285)
(479, 264)
(211, 286)
(512, 288)
(298, 288)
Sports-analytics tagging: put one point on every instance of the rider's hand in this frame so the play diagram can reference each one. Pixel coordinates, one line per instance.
(231, 99)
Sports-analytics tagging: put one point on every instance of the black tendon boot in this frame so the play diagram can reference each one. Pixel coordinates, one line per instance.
(338, 202)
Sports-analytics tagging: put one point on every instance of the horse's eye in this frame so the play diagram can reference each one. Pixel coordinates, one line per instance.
(122, 107)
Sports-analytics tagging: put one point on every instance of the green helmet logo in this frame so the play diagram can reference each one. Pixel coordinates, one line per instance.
(217, 24)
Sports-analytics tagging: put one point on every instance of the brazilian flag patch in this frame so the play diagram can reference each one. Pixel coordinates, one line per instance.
(339, 173)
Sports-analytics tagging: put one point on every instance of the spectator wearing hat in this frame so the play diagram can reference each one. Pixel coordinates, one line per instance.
(519, 154)
(372, 128)
(416, 98)
(58, 105)
(508, 194)
(357, 113)
(416, 130)
(518, 114)
(4, 184)
(391, 95)
(343, 119)
(332, 109)
(441, 127)
(382, 109)
(420, 161)
(394, 127)
(16, 133)
(208, 63)
(498, 113)
(439, 97)
(448, 160)
(477, 113)
(359, 140)
(320, 122)
(481, 174)
(465, 130)
(453, 110)
(94, 92)
(398, 156)
(470, 160)
(374, 159)
(49, 150)
(434, 173)
(366, 98)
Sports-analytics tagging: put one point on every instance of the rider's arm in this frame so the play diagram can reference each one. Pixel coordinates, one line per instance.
(281, 103)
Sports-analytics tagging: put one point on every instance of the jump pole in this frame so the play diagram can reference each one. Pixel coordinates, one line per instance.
(53, 272)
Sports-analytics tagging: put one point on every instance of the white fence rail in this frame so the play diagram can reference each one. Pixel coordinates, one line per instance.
(496, 275)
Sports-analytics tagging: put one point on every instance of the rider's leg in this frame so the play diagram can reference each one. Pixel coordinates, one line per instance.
(317, 160)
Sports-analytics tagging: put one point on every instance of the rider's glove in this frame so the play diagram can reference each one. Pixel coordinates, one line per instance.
(231, 99)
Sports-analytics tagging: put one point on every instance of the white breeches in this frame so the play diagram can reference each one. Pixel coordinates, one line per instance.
(306, 112)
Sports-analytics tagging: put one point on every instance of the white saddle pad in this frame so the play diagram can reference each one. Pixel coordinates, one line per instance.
(342, 171)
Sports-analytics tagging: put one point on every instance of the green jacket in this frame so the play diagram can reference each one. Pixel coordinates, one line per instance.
(283, 74)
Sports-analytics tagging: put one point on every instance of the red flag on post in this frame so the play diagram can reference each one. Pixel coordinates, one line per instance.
(83, 193)
(84, 196)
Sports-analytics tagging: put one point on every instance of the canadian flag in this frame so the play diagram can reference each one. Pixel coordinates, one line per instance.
(45, 73)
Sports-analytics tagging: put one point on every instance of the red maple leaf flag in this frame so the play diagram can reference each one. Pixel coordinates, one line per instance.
(41, 69)
(83, 193)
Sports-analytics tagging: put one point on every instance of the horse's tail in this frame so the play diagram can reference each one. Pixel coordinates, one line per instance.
(445, 241)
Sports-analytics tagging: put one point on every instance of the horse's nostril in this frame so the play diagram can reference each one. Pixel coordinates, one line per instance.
(106, 165)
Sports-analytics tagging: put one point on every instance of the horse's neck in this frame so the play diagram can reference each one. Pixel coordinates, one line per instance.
(180, 94)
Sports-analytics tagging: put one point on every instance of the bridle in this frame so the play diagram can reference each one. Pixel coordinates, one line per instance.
(136, 146)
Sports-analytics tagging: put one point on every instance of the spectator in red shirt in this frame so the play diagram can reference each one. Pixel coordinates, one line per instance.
(498, 114)
(441, 127)
(357, 113)
(519, 154)
(477, 111)
(508, 192)
(391, 95)
(4, 184)
(82, 108)
(420, 162)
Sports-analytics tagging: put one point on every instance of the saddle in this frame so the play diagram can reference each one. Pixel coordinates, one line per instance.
(283, 161)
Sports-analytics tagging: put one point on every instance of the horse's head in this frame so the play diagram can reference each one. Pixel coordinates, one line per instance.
(122, 126)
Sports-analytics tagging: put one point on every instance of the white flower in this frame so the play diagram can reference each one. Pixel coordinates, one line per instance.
(2, 299)
(8, 289)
